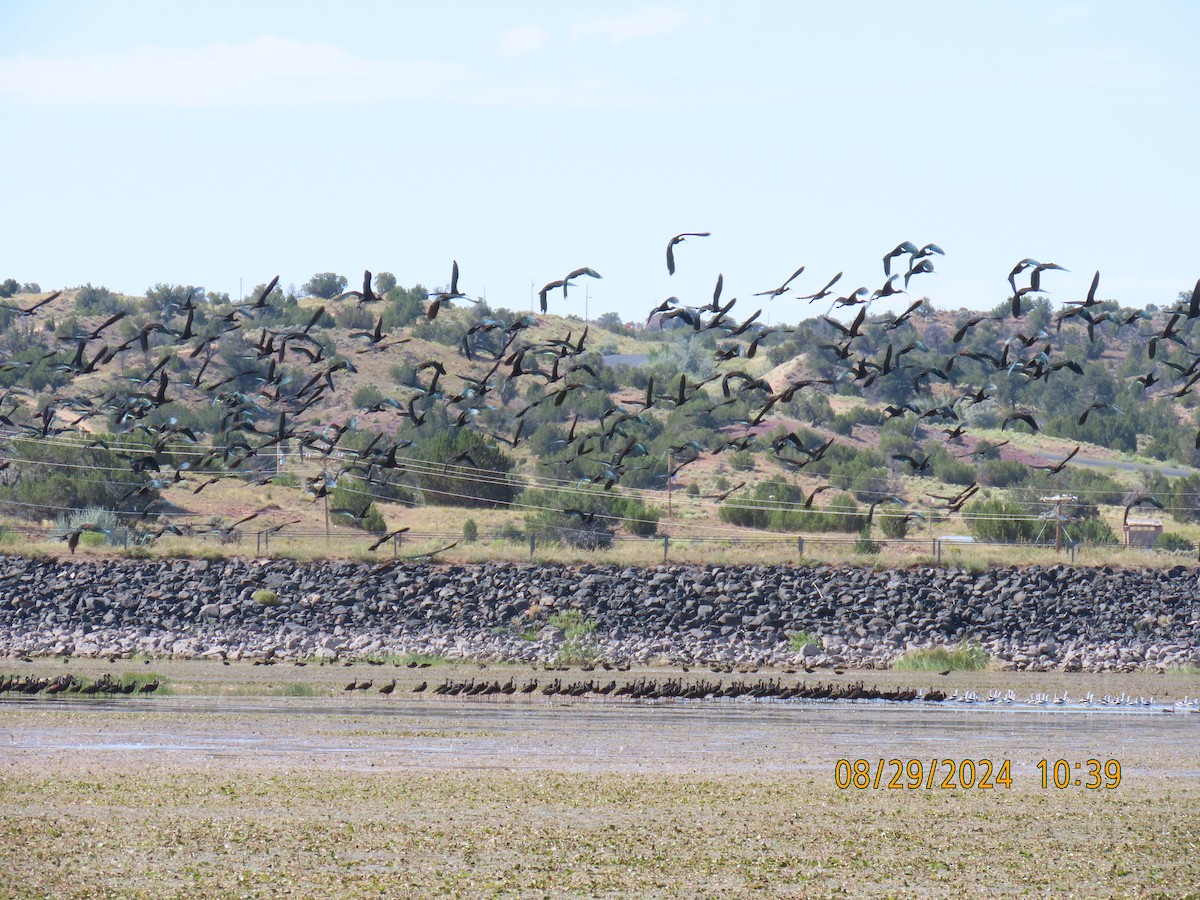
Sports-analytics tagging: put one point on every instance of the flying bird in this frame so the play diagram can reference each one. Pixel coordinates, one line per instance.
(442, 297)
(1139, 500)
(1055, 468)
(1019, 417)
(1099, 404)
(679, 238)
(387, 537)
(576, 273)
(366, 295)
(907, 247)
(823, 292)
(547, 288)
(29, 310)
(783, 288)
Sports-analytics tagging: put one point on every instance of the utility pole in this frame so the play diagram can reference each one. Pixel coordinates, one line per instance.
(325, 484)
(670, 462)
(1059, 518)
(1058, 529)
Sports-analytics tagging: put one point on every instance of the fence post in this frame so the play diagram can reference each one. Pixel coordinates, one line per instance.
(666, 540)
(532, 544)
(258, 543)
(125, 536)
(800, 545)
(937, 545)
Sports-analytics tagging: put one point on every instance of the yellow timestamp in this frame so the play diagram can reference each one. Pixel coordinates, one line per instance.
(970, 774)
(1092, 774)
(918, 774)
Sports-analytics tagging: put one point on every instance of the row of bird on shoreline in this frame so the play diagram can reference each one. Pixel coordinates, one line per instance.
(32, 685)
(640, 688)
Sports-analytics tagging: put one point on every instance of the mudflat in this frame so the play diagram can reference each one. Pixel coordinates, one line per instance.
(222, 787)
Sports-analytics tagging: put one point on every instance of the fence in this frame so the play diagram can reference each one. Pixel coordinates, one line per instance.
(516, 544)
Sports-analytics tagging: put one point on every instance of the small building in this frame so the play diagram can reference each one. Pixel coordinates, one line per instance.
(1142, 532)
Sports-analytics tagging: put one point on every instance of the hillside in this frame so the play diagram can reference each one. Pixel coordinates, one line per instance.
(183, 413)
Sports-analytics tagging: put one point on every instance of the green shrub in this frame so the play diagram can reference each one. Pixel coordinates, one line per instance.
(798, 640)
(297, 689)
(843, 424)
(848, 518)
(742, 461)
(1092, 531)
(640, 520)
(969, 657)
(507, 532)
(864, 544)
(265, 597)
(44, 477)
(998, 519)
(894, 527)
(743, 513)
(586, 518)
(96, 301)
(9, 537)
(367, 395)
(1003, 473)
(1173, 541)
(579, 643)
(373, 521)
(470, 531)
(479, 477)
(104, 521)
(953, 471)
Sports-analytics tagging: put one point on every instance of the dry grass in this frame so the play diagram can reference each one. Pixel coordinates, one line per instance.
(296, 833)
(742, 547)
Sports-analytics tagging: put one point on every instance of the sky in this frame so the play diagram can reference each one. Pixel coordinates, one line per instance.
(223, 143)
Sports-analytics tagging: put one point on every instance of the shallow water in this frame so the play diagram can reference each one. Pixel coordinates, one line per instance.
(708, 738)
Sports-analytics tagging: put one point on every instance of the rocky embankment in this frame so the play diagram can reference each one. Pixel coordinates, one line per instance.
(1035, 618)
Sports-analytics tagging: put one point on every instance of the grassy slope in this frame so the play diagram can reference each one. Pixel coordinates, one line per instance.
(232, 500)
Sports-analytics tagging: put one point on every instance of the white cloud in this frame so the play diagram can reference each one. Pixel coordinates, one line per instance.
(266, 71)
(523, 39)
(648, 22)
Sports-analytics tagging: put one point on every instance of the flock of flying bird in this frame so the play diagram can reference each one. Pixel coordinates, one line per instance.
(264, 406)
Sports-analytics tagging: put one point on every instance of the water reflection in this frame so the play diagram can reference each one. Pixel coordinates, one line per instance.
(684, 737)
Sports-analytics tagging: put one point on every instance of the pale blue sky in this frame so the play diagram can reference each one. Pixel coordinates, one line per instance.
(199, 143)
